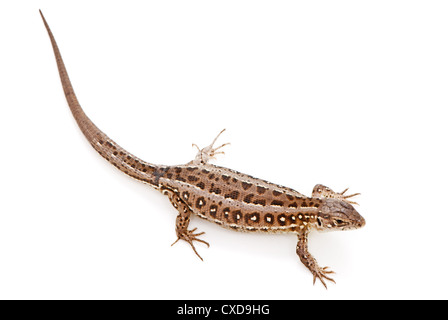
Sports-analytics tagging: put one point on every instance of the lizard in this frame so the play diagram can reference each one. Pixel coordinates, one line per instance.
(224, 196)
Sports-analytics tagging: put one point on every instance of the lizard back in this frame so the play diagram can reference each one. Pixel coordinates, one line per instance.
(239, 201)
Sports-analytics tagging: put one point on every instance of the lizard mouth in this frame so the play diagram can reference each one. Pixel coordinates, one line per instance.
(362, 222)
(357, 224)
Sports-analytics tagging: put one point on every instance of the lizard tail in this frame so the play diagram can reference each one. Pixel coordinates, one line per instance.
(106, 147)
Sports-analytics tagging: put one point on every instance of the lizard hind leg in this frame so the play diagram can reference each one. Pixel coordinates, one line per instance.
(321, 191)
(182, 222)
(204, 155)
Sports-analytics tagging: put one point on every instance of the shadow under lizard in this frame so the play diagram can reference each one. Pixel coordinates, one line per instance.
(226, 197)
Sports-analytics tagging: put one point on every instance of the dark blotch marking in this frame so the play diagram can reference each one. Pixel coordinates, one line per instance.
(252, 217)
(211, 176)
(200, 202)
(191, 168)
(201, 185)
(185, 195)
(281, 218)
(233, 195)
(237, 215)
(226, 212)
(269, 218)
(260, 201)
(178, 170)
(215, 190)
(293, 205)
(290, 197)
(248, 198)
(205, 171)
(213, 210)
(276, 203)
(225, 178)
(261, 190)
(192, 178)
(179, 178)
(159, 174)
(246, 185)
(292, 219)
(276, 193)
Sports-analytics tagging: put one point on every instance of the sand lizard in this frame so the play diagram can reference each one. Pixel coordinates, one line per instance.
(226, 197)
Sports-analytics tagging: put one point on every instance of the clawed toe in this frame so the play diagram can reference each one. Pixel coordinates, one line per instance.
(189, 236)
(349, 196)
(193, 237)
(322, 273)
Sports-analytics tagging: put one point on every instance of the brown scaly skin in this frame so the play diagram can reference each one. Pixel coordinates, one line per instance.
(226, 197)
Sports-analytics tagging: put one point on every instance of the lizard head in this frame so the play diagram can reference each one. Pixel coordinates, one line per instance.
(335, 214)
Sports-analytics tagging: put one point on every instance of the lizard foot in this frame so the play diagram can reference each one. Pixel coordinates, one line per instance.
(190, 236)
(321, 191)
(208, 153)
(322, 273)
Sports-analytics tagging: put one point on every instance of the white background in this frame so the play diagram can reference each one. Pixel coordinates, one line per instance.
(344, 93)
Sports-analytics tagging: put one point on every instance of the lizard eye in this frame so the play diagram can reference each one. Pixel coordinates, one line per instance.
(339, 222)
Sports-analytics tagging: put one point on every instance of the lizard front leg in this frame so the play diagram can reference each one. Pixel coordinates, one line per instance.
(309, 261)
(183, 220)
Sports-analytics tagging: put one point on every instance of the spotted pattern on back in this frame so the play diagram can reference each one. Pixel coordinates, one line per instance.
(239, 201)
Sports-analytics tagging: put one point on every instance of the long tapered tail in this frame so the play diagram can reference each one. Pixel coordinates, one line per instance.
(106, 147)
